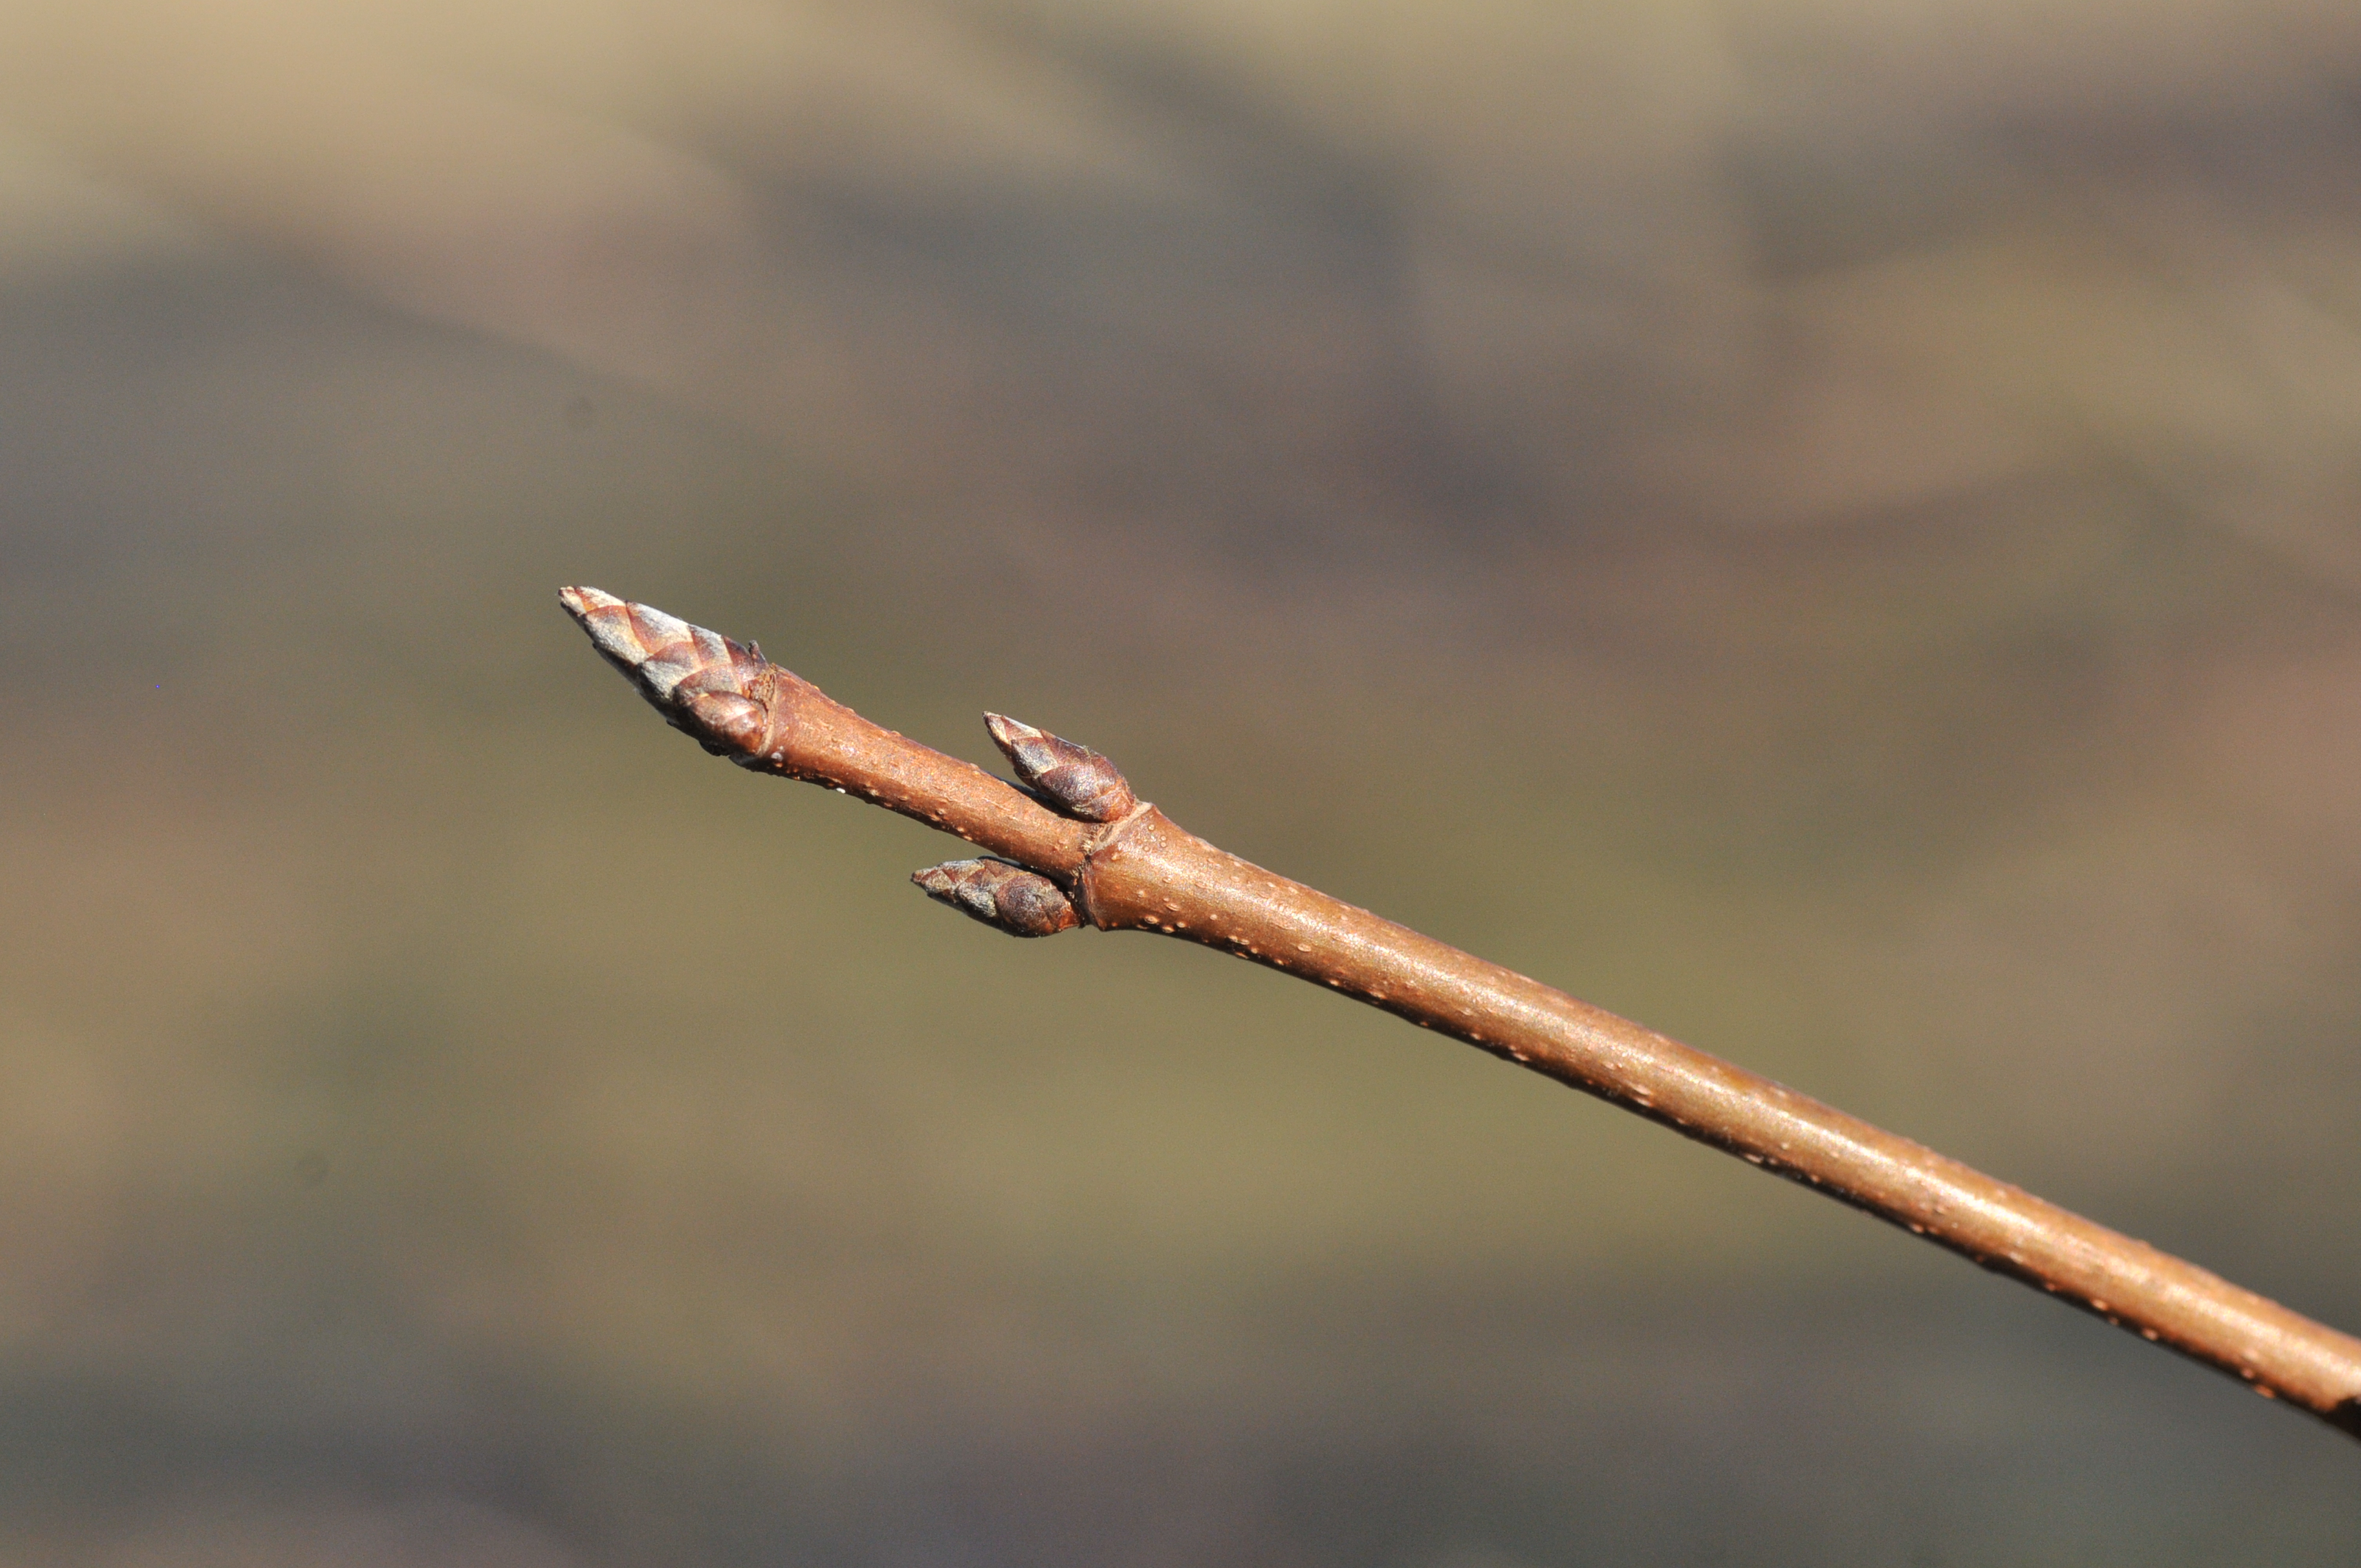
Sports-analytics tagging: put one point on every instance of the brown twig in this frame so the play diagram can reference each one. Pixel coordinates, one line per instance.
(1075, 845)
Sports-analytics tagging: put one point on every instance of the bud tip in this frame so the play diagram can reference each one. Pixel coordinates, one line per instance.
(1002, 894)
(679, 668)
(1077, 779)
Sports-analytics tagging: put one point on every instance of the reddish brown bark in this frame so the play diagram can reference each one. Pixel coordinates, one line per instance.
(1126, 866)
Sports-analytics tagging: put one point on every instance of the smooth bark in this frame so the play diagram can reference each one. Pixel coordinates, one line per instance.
(1076, 836)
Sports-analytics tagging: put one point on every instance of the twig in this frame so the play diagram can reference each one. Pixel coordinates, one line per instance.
(1075, 846)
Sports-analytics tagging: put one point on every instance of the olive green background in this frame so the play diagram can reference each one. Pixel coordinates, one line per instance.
(1830, 530)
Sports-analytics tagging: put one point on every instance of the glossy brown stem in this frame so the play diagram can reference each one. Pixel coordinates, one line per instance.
(1143, 872)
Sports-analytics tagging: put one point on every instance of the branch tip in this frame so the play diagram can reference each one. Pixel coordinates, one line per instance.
(702, 681)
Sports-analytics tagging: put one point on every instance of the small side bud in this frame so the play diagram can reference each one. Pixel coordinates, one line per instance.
(1077, 779)
(1005, 896)
(726, 724)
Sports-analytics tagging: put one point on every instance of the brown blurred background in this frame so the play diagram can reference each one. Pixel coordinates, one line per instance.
(1830, 528)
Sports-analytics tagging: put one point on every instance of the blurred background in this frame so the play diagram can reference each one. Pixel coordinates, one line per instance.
(1828, 526)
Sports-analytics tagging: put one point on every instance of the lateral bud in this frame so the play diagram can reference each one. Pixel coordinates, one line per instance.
(1005, 896)
(1077, 779)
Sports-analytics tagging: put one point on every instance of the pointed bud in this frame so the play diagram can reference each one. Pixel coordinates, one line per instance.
(703, 683)
(1078, 781)
(1003, 895)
